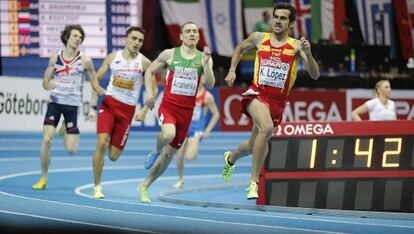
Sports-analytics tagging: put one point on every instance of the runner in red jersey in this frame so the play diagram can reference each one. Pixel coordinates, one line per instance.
(185, 66)
(274, 76)
(118, 106)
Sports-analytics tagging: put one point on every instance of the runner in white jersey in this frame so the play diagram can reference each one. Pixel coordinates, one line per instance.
(118, 106)
(64, 76)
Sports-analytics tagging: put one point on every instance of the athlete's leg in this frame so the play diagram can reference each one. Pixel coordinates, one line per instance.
(156, 171)
(230, 157)
(119, 138)
(190, 152)
(48, 132)
(244, 149)
(262, 120)
(71, 142)
(105, 127)
(159, 167)
(62, 129)
(166, 135)
(192, 147)
(180, 161)
(50, 122)
(71, 136)
(98, 157)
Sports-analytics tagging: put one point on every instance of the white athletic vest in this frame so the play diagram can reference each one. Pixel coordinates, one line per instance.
(68, 77)
(377, 111)
(126, 79)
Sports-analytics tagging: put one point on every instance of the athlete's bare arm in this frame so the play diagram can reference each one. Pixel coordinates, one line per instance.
(47, 83)
(163, 60)
(212, 107)
(105, 66)
(209, 77)
(305, 53)
(140, 116)
(90, 70)
(145, 65)
(98, 76)
(249, 43)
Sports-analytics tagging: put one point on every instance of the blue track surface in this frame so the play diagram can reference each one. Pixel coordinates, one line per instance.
(205, 205)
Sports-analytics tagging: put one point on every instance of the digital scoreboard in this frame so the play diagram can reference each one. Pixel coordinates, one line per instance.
(30, 29)
(366, 165)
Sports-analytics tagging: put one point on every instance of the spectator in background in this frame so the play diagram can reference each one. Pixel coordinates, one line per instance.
(64, 77)
(410, 66)
(263, 25)
(380, 107)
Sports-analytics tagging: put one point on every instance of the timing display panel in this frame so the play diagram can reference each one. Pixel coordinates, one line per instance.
(341, 165)
(341, 153)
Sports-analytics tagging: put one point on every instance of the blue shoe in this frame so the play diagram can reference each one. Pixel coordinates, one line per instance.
(151, 159)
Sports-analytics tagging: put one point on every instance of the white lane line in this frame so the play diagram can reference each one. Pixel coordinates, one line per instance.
(173, 207)
(110, 168)
(76, 222)
(79, 189)
(88, 157)
(11, 149)
(130, 141)
(173, 216)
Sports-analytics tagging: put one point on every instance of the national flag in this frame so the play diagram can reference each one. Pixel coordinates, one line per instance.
(24, 28)
(352, 24)
(24, 5)
(175, 13)
(404, 10)
(220, 22)
(224, 25)
(376, 18)
(24, 17)
(328, 17)
(303, 25)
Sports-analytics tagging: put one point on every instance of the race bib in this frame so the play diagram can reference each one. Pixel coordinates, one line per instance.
(273, 73)
(184, 81)
(123, 83)
(65, 86)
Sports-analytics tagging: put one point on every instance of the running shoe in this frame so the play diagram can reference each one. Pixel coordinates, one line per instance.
(179, 184)
(143, 194)
(151, 159)
(41, 184)
(251, 191)
(228, 169)
(97, 192)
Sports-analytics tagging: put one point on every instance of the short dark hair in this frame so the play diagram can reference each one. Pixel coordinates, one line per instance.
(134, 28)
(65, 34)
(286, 6)
(184, 24)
